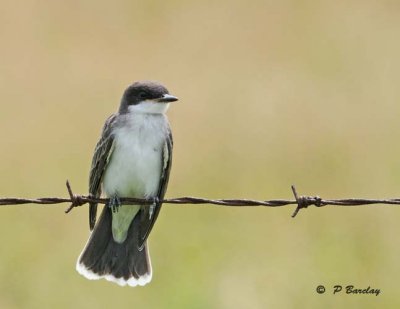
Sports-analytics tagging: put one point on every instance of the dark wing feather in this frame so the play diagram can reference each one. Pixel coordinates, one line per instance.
(100, 159)
(147, 222)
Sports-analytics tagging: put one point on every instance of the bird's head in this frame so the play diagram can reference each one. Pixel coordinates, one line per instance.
(146, 97)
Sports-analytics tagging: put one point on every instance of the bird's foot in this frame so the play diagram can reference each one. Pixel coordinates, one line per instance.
(115, 203)
(153, 205)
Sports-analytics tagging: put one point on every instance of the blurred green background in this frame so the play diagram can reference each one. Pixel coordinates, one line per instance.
(272, 93)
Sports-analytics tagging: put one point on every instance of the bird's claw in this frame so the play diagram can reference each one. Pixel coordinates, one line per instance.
(115, 203)
(153, 205)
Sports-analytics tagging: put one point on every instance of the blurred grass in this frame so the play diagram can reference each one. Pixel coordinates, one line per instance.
(272, 93)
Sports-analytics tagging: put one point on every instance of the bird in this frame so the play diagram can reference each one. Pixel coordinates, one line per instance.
(131, 159)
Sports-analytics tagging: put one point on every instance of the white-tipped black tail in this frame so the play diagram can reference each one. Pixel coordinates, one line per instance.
(122, 263)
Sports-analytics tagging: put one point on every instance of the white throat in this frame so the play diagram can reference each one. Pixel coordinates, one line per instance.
(149, 107)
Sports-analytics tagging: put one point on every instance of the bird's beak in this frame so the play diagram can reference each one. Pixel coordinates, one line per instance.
(167, 98)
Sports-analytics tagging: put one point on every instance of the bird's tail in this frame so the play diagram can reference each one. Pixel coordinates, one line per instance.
(122, 263)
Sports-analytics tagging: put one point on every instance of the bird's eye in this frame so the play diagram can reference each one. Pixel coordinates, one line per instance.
(142, 95)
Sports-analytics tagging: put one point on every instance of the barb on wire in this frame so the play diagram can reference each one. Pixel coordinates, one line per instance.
(302, 202)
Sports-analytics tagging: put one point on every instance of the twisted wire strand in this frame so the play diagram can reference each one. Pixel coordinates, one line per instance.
(301, 201)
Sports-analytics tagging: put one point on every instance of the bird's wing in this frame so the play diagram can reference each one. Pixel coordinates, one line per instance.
(147, 219)
(101, 157)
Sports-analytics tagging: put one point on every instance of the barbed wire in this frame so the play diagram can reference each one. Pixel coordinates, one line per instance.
(301, 201)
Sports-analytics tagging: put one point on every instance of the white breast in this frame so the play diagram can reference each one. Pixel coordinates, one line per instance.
(135, 166)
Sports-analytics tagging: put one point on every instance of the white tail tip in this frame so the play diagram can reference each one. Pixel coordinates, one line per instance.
(88, 274)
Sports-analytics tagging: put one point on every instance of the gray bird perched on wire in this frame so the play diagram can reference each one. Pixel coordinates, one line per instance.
(132, 159)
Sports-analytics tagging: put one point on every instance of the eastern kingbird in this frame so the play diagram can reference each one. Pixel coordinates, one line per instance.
(132, 159)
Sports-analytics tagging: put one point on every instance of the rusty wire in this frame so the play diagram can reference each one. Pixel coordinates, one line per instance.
(301, 201)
